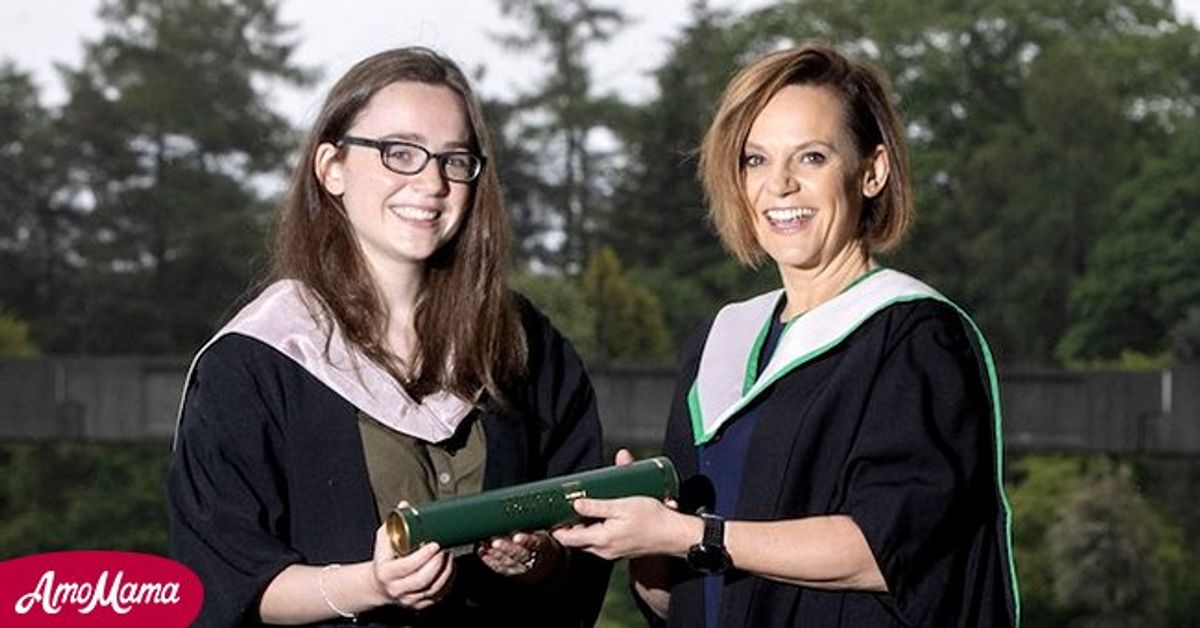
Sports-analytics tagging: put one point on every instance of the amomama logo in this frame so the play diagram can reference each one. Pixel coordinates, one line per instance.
(97, 588)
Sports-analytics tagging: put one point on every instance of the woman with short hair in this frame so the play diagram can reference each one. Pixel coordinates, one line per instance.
(838, 439)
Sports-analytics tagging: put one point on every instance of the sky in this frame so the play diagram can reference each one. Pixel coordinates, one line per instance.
(333, 35)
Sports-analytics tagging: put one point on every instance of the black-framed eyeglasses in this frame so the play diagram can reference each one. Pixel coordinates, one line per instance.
(460, 166)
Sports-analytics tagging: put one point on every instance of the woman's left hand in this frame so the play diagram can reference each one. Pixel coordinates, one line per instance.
(529, 556)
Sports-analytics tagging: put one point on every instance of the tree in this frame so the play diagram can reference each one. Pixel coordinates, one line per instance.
(627, 316)
(64, 495)
(1185, 338)
(1169, 484)
(1038, 488)
(1024, 122)
(608, 315)
(561, 299)
(1108, 555)
(170, 127)
(1023, 119)
(520, 181)
(14, 337)
(658, 224)
(559, 124)
(37, 229)
(1141, 281)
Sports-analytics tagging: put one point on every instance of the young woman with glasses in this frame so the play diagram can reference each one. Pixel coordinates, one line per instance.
(387, 362)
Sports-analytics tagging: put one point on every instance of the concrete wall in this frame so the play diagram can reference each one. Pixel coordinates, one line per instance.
(634, 403)
(1100, 411)
(1177, 429)
(106, 399)
(114, 399)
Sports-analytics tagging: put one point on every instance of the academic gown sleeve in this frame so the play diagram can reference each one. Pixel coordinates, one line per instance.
(226, 505)
(921, 482)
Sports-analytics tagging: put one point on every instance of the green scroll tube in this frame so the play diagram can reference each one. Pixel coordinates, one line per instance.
(533, 506)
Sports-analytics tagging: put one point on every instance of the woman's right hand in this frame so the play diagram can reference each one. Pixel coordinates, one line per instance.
(418, 580)
(629, 527)
(302, 594)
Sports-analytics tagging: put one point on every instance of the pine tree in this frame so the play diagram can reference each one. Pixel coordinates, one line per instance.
(172, 135)
(556, 124)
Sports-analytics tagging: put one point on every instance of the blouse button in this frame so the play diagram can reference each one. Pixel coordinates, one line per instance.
(444, 477)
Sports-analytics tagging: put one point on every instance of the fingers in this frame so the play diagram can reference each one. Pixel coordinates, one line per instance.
(623, 457)
(383, 545)
(588, 534)
(597, 539)
(629, 526)
(578, 536)
(510, 557)
(430, 593)
(530, 554)
(417, 579)
(598, 508)
(538, 541)
(442, 584)
(413, 578)
(570, 532)
(506, 547)
(426, 557)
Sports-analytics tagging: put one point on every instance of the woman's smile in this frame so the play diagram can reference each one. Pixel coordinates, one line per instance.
(420, 215)
(789, 219)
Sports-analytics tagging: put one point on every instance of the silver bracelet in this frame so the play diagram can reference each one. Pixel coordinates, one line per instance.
(325, 594)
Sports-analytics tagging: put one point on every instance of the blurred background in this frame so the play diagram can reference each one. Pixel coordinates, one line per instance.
(1055, 149)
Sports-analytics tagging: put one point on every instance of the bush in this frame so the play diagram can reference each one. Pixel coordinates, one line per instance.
(1110, 551)
(14, 337)
(67, 495)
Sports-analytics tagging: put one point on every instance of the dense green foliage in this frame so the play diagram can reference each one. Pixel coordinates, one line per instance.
(1053, 139)
(14, 337)
(56, 496)
(1109, 555)
(629, 324)
(1051, 147)
(1103, 541)
(562, 173)
(133, 218)
(608, 315)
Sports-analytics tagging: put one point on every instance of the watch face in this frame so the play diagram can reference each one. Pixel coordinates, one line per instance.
(709, 559)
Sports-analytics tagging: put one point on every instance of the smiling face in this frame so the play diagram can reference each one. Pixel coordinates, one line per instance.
(805, 180)
(400, 220)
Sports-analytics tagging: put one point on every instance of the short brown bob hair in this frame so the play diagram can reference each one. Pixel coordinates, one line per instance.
(871, 121)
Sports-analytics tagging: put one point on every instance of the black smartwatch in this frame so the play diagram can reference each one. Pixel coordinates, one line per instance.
(709, 555)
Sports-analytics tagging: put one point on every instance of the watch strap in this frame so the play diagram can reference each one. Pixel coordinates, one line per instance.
(714, 530)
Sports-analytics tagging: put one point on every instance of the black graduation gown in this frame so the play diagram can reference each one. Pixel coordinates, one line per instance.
(894, 428)
(269, 471)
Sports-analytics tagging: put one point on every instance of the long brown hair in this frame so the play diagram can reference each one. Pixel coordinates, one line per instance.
(469, 336)
(870, 120)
